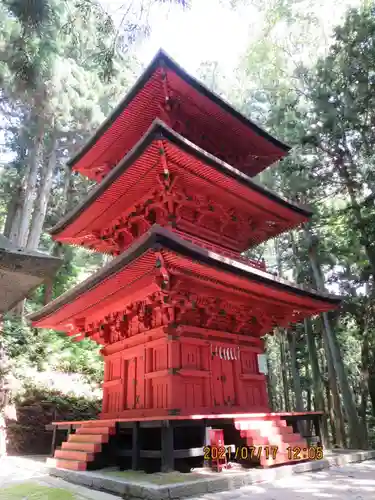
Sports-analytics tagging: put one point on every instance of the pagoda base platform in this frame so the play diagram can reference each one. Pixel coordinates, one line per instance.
(180, 443)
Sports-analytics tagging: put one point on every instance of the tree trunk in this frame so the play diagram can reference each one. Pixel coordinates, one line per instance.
(11, 210)
(26, 195)
(356, 432)
(371, 384)
(316, 376)
(271, 383)
(362, 225)
(284, 370)
(296, 380)
(43, 195)
(331, 413)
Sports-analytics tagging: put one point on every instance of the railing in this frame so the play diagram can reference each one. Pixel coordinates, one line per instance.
(225, 252)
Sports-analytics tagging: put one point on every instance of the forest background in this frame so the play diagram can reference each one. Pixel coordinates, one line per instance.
(303, 70)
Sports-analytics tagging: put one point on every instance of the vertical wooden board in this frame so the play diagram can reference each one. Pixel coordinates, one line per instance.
(257, 395)
(239, 384)
(216, 383)
(193, 393)
(174, 354)
(160, 358)
(125, 379)
(227, 369)
(130, 384)
(116, 368)
(106, 369)
(160, 393)
(140, 386)
(249, 395)
(204, 353)
(198, 392)
(105, 401)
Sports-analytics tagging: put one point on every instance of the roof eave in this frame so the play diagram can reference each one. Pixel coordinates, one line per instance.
(158, 237)
(160, 129)
(162, 57)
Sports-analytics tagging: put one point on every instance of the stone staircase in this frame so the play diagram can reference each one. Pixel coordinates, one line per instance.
(82, 448)
(274, 433)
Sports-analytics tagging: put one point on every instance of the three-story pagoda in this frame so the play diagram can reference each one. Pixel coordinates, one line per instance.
(179, 312)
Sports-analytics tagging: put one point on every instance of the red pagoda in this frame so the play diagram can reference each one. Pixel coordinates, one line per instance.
(179, 311)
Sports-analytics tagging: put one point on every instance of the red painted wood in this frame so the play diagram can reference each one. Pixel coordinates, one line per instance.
(66, 464)
(216, 211)
(89, 447)
(263, 416)
(182, 375)
(196, 115)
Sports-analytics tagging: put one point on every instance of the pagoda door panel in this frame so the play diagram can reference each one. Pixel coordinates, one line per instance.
(253, 383)
(217, 385)
(194, 393)
(228, 382)
(223, 382)
(134, 387)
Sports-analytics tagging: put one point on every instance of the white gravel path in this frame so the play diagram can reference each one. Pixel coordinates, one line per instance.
(349, 482)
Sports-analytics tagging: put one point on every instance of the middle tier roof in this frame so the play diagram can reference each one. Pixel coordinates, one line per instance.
(168, 180)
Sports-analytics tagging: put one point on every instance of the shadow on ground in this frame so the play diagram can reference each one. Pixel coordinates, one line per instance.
(350, 482)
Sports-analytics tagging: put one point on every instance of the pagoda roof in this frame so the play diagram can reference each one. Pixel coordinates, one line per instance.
(135, 176)
(165, 81)
(21, 271)
(132, 274)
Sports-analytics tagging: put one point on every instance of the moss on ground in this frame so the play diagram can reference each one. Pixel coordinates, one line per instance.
(30, 491)
(158, 478)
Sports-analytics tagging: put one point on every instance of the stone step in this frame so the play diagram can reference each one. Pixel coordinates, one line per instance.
(81, 456)
(79, 446)
(96, 430)
(88, 438)
(286, 429)
(100, 423)
(271, 439)
(66, 464)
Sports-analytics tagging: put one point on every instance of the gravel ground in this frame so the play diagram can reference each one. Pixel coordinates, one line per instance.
(350, 482)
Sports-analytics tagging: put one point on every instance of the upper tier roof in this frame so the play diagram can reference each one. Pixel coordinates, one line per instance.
(21, 271)
(237, 212)
(166, 91)
(133, 276)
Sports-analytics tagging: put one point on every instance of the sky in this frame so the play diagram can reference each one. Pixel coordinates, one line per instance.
(208, 31)
(213, 31)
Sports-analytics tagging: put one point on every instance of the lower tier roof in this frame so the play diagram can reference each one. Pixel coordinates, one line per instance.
(143, 270)
(21, 271)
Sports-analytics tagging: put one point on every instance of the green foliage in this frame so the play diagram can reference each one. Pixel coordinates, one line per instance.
(49, 350)
(37, 407)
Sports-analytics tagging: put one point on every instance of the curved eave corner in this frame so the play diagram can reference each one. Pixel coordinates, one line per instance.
(163, 59)
(158, 237)
(159, 130)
